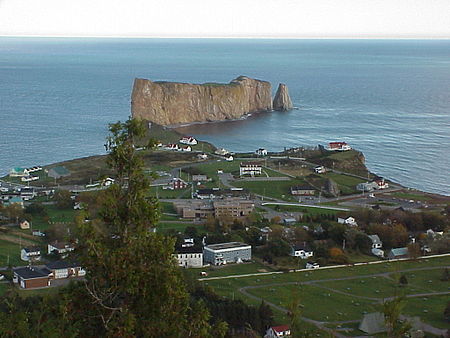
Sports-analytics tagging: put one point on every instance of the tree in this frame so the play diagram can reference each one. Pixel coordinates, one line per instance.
(414, 250)
(36, 209)
(403, 281)
(447, 312)
(392, 310)
(133, 287)
(63, 199)
(336, 233)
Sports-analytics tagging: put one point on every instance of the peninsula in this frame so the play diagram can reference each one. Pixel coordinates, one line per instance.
(172, 103)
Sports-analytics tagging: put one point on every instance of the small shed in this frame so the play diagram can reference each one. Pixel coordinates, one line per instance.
(373, 323)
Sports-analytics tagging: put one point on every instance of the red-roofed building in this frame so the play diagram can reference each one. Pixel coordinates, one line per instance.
(338, 146)
(278, 331)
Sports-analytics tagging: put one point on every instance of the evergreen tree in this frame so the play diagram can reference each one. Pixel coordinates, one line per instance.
(133, 287)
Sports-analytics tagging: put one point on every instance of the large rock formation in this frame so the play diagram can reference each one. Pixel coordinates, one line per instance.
(170, 103)
(282, 101)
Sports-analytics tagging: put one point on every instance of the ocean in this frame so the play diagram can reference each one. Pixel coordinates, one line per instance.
(389, 99)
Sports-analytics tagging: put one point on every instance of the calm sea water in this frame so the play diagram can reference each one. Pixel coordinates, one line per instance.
(387, 98)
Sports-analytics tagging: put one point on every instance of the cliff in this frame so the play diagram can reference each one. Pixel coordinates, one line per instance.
(282, 100)
(169, 103)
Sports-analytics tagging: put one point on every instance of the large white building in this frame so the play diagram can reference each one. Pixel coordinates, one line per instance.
(250, 168)
(223, 253)
(189, 257)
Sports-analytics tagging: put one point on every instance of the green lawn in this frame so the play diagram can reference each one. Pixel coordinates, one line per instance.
(164, 226)
(168, 193)
(305, 210)
(237, 269)
(374, 287)
(3, 288)
(429, 309)
(411, 196)
(278, 190)
(347, 184)
(210, 169)
(429, 280)
(167, 207)
(12, 250)
(317, 303)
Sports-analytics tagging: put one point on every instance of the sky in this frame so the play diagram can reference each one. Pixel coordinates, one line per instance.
(227, 18)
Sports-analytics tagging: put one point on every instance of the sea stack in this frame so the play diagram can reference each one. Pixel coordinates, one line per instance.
(282, 101)
(173, 103)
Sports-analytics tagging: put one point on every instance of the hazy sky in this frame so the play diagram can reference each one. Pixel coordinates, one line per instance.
(227, 18)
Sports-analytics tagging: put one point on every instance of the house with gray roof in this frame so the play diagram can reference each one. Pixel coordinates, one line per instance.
(58, 172)
(397, 253)
(376, 241)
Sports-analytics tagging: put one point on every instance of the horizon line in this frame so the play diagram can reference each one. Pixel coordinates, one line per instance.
(256, 37)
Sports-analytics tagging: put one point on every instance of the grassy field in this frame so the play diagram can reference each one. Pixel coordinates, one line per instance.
(306, 210)
(167, 225)
(12, 250)
(340, 300)
(411, 196)
(168, 193)
(347, 184)
(278, 190)
(237, 269)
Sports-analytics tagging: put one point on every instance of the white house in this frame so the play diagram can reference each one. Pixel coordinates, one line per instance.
(338, 146)
(24, 224)
(376, 241)
(29, 178)
(229, 158)
(189, 257)
(186, 149)
(250, 168)
(350, 221)
(171, 146)
(320, 169)
(202, 156)
(221, 151)
(189, 140)
(301, 250)
(18, 172)
(30, 254)
(261, 152)
(199, 178)
(61, 248)
(63, 269)
(278, 331)
(367, 186)
(381, 183)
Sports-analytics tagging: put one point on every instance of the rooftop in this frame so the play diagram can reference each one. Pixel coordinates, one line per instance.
(62, 265)
(229, 245)
(30, 272)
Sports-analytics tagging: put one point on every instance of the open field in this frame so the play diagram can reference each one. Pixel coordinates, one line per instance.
(177, 226)
(11, 251)
(305, 210)
(278, 189)
(347, 184)
(236, 269)
(355, 291)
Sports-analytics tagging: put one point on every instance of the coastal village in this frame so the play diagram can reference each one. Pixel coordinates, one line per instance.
(249, 225)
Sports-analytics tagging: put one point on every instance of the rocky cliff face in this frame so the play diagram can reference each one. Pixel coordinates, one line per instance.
(282, 100)
(169, 103)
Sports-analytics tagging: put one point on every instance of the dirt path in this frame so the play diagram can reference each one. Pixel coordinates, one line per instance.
(17, 240)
